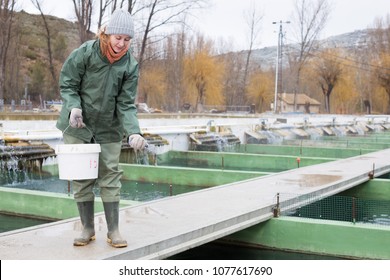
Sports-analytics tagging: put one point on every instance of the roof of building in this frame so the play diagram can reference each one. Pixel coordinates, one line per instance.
(301, 99)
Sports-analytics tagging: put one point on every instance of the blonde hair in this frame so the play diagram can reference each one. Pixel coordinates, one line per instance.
(104, 40)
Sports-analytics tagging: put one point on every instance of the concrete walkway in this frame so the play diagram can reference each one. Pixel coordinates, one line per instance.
(162, 228)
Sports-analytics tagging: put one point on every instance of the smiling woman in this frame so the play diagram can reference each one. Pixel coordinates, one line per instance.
(115, 38)
(98, 85)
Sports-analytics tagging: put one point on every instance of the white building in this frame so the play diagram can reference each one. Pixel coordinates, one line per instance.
(304, 103)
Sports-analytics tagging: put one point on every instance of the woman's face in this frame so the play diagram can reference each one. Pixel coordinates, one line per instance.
(119, 42)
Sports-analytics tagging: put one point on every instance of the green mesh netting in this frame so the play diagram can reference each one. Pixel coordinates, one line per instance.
(345, 208)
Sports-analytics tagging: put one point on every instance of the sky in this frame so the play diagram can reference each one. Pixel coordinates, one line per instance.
(225, 19)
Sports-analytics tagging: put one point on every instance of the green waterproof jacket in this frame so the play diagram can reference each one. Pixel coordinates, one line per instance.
(104, 92)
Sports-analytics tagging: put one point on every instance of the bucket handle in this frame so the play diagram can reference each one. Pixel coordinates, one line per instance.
(90, 131)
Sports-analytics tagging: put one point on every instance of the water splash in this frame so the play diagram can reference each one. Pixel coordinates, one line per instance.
(215, 142)
(338, 131)
(20, 160)
(147, 156)
(12, 169)
(359, 129)
(314, 132)
(272, 137)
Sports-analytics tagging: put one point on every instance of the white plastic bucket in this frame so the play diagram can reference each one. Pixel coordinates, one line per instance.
(78, 161)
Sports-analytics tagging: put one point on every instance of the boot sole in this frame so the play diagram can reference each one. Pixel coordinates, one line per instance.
(118, 245)
(81, 243)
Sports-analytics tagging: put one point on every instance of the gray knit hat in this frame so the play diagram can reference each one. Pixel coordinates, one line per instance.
(121, 22)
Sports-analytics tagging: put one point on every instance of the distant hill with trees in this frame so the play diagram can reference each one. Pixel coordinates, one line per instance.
(28, 73)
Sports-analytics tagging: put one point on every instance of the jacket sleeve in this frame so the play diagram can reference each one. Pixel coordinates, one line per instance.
(71, 75)
(125, 107)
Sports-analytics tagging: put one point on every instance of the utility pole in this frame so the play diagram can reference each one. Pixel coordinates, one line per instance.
(279, 65)
(27, 81)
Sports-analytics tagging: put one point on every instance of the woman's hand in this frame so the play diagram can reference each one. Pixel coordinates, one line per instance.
(76, 118)
(137, 142)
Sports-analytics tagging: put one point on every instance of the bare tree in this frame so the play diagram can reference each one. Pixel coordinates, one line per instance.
(159, 14)
(104, 5)
(6, 16)
(83, 10)
(309, 19)
(38, 5)
(380, 49)
(153, 15)
(329, 71)
(175, 46)
(235, 62)
(253, 20)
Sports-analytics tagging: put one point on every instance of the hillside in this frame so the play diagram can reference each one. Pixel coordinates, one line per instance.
(348, 41)
(65, 38)
(32, 37)
(28, 74)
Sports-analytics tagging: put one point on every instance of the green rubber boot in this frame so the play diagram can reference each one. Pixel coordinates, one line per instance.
(114, 238)
(87, 217)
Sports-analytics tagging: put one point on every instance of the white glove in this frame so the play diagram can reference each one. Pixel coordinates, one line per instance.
(137, 142)
(76, 118)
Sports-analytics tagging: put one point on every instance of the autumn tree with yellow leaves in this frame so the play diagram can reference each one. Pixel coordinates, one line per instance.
(383, 75)
(203, 74)
(382, 71)
(380, 63)
(153, 86)
(260, 90)
(345, 96)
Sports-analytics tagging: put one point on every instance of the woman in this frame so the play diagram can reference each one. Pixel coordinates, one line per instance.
(98, 84)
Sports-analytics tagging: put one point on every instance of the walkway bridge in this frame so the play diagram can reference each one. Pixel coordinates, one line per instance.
(165, 227)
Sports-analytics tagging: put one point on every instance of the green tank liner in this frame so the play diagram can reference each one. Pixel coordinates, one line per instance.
(323, 152)
(376, 138)
(342, 239)
(238, 161)
(200, 177)
(377, 189)
(337, 144)
(43, 205)
(358, 140)
(37, 204)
